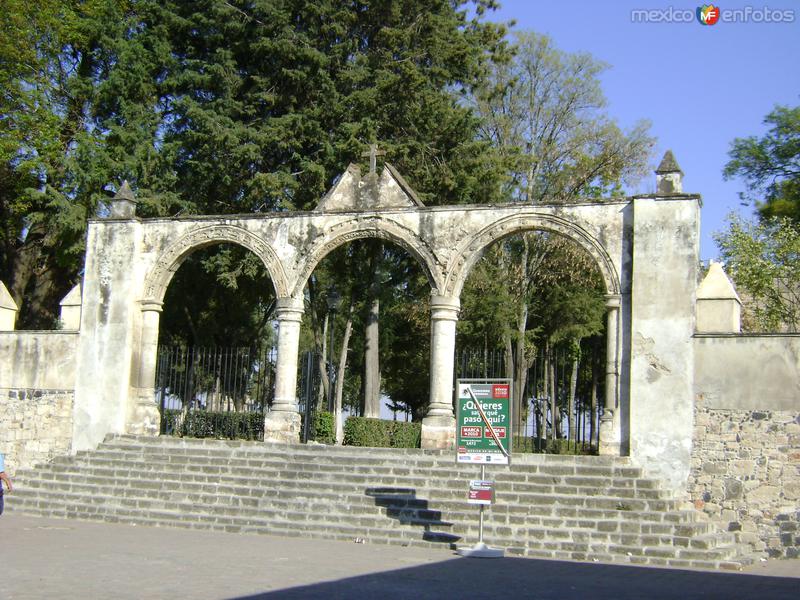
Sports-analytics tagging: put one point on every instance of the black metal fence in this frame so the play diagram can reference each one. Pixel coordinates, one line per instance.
(214, 391)
(561, 402)
(225, 392)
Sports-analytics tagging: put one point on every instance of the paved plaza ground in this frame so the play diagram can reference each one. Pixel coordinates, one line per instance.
(66, 559)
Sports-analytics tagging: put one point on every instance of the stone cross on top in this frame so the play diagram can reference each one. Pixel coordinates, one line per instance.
(373, 154)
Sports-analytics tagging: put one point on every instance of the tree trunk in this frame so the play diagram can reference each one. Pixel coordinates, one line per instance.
(521, 358)
(554, 414)
(348, 330)
(322, 354)
(372, 368)
(593, 429)
(573, 385)
(546, 392)
(508, 350)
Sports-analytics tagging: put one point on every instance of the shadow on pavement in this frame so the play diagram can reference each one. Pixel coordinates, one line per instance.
(404, 505)
(506, 578)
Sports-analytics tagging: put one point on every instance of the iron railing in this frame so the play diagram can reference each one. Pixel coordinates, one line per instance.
(541, 416)
(214, 391)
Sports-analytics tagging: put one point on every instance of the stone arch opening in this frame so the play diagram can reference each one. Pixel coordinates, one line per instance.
(377, 228)
(171, 258)
(216, 353)
(384, 277)
(560, 345)
(471, 250)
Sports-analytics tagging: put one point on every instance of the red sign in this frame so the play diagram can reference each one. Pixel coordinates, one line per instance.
(500, 431)
(471, 432)
(500, 391)
(480, 492)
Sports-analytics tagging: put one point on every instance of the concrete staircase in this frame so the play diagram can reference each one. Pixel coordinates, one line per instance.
(573, 508)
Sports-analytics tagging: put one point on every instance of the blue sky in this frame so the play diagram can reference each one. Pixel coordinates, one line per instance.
(700, 86)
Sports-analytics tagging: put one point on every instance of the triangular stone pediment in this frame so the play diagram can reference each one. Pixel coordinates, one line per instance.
(716, 285)
(356, 192)
(6, 301)
(73, 298)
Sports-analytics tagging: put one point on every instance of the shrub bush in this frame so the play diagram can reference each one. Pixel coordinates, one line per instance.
(376, 433)
(211, 424)
(536, 445)
(323, 428)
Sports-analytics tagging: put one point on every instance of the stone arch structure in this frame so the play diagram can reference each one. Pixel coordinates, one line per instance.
(374, 227)
(142, 416)
(471, 249)
(171, 258)
(646, 248)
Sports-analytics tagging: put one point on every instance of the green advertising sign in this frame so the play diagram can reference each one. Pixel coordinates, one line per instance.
(483, 421)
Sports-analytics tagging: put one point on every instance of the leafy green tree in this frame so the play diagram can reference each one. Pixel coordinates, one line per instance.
(544, 111)
(227, 107)
(49, 59)
(763, 259)
(770, 165)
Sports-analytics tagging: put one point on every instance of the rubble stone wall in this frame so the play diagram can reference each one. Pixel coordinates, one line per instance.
(35, 426)
(745, 473)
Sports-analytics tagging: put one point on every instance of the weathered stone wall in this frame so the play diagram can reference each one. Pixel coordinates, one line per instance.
(37, 383)
(664, 280)
(746, 452)
(35, 425)
(37, 359)
(746, 474)
(748, 371)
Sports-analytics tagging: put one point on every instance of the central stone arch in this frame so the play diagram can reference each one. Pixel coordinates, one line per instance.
(376, 227)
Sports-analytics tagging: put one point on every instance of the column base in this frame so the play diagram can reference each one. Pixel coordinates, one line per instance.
(609, 438)
(282, 427)
(438, 433)
(144, 418)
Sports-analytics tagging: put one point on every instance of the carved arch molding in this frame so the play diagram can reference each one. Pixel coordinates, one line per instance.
(471, 249)
(173, 256)
(372, 227)
(445, 279)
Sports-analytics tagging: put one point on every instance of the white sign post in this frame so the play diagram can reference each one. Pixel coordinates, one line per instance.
(483, 427)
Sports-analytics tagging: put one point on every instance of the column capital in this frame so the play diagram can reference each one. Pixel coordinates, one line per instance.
(289, 309)
(445, 307)
(613, 301)
(149, 305)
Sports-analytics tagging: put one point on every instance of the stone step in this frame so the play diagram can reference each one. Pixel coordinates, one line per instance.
(580, 508)
(112, 508)
(519, 473)
(651, 522)
(444, 499)
(510, 491)
(242, 489)
(538, 548)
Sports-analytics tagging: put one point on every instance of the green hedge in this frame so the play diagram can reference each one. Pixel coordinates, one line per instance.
(210, 424)
(323, 429)
(536, 445)
(376, 433)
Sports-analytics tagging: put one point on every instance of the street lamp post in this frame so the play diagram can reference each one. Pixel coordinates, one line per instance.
(333, 306)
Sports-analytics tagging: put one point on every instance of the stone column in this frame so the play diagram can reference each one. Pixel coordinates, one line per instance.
(609, 422)
(438, 426)
(282, 423)
(144, 417)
